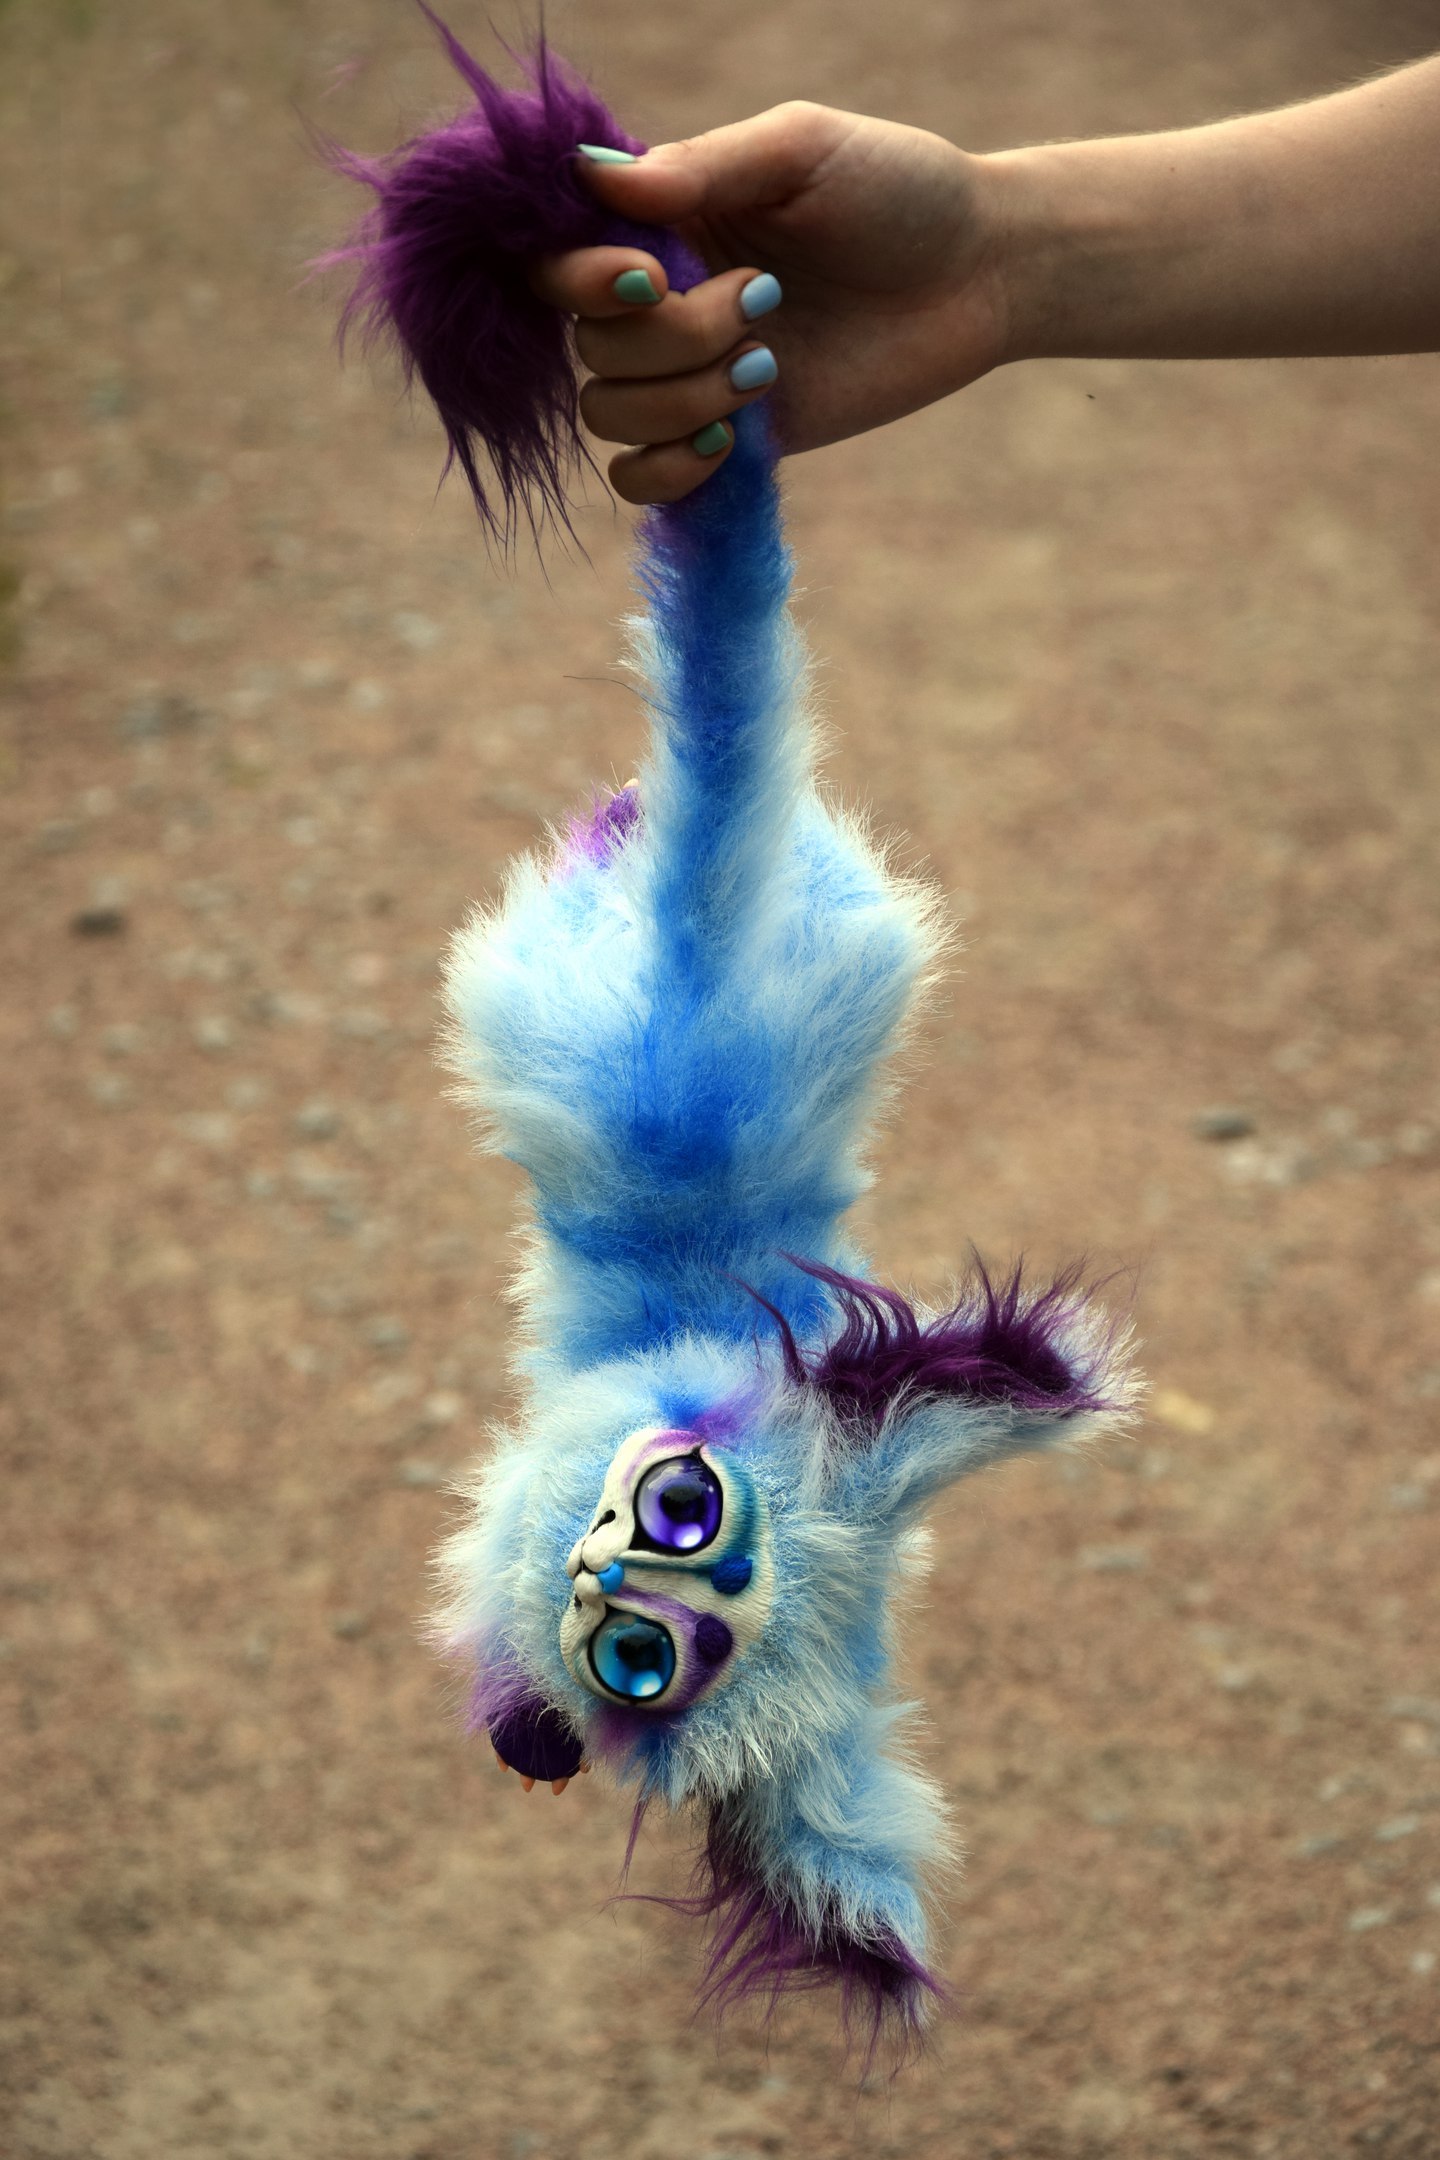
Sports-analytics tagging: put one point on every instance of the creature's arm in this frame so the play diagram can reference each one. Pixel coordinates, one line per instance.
(916, 1400)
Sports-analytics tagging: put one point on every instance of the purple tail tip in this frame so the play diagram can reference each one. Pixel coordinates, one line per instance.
(441, 261)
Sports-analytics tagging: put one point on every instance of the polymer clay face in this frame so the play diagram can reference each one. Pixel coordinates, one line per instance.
(673, 1579)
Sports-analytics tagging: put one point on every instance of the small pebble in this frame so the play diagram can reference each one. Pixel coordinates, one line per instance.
(1182, 1412)
(112, 1091)
(417, 632)
(1369, 1916)
(98, 922)
(1221, 1123)
(211, 1128)
(423, 1476)
(1112, 1559)
(1409, 1499)
(388, 1335)
(362, 1024)
(63, 1021)
(1399, 1826)
(213, 1033)
(441, 1408)
(349, 1625)
(167, 712)
(1424, 1709)
(317, 1120)
(1422, 1962)
(123, 1039)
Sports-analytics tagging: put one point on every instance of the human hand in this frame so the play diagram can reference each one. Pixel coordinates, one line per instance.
(882, 239)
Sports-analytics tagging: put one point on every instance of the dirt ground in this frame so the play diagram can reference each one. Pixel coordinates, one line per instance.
(1143, 658)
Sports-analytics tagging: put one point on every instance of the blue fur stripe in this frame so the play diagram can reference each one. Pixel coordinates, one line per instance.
(678, 1041)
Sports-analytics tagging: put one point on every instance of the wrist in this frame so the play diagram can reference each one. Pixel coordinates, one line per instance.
(1042, 230)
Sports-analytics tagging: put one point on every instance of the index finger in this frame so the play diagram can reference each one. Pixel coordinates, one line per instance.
(599, 282)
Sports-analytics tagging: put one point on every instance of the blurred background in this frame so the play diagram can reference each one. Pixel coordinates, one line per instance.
(1143, 660)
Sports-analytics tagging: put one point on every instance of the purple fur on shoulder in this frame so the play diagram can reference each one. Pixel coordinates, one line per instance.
(1001, 1343)
(761, 1947)
(607, 828)
(459, 217)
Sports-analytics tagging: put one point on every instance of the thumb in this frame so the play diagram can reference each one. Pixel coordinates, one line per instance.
(751, 164)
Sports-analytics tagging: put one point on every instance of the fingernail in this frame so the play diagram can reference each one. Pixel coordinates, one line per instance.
(711, 439)
(760, 295)
(754, 369)
(602, 154)
(637, 286)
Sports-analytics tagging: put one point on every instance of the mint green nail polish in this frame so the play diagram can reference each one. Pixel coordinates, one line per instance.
(602, 154)
(710, 439)
(636, 286)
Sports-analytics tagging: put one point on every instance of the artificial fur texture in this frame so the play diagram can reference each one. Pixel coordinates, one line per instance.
(675, 1019)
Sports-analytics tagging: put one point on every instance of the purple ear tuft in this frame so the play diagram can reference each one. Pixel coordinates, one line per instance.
(1001, 1342)
(459, 217)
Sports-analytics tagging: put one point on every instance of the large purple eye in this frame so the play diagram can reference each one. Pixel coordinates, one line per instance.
(678, 1505)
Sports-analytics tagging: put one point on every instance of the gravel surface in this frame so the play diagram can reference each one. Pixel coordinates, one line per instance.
(1142, 659)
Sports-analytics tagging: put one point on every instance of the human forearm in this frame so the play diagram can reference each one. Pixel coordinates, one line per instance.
(1315, 229)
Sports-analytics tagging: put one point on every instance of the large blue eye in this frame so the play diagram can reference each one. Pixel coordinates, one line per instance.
(678, 1505)
(632, 1655)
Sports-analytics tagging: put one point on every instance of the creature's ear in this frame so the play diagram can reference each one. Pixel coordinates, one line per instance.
(918, 1401)
(813, 1879)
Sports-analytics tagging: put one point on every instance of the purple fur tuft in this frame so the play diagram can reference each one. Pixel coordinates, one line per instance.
(1000, 1343)
(607, 828)
(459, 217)
(761, 1947)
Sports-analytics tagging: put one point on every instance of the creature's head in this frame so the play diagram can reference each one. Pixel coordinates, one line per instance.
(703, 1599)
(673, 1579)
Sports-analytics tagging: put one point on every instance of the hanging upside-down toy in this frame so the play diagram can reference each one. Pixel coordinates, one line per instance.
(681, 1560)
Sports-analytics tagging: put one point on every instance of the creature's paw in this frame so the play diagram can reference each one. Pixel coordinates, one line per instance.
(557, 1785)
(538, 1742)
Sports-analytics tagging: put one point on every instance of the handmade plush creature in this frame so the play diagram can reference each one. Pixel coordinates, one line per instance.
(682, 1559)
